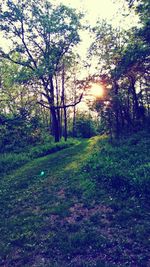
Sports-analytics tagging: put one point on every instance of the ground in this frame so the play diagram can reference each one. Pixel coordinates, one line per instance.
(53, 213)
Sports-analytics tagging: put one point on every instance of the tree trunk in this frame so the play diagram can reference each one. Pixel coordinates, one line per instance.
(55, 124)
(65, 124)
(57, 103)
(63, 102)
(53, 110)
(74, 122)
(50, 123)
(116, 109)
(135, 98)
(122, 119)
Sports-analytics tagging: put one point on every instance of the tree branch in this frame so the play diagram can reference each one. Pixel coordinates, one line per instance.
(43, 104)
(7, 56)
(41, 49)
(72, 104)
(24, 43)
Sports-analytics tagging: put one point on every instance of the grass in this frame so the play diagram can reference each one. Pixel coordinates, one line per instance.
(12, 161)
(123, 167)
(71, 215)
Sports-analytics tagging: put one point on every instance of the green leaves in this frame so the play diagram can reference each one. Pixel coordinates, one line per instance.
(44, 31)
(123, 166)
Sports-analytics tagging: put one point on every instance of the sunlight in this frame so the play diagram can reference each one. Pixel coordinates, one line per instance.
(97, 90)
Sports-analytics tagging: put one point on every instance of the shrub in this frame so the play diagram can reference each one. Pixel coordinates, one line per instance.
(18, 131)
(85, 126)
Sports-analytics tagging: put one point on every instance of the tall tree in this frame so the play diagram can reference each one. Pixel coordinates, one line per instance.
(135, 63)
(107, 48)
(42, 34)
(123, 57)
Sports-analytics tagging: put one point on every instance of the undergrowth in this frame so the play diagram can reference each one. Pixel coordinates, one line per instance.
(12, 161)
(124, 166)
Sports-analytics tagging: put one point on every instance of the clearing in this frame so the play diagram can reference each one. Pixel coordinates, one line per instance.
(54, 214)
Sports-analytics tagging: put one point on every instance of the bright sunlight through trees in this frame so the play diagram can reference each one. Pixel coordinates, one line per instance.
(97, 90)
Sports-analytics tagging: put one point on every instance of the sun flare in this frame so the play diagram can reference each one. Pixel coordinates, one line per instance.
(97, 90)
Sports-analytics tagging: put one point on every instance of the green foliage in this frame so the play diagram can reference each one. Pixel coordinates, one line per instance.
(12, 161)
(94, 221)
(29, 19)
(123, 63)
(19, 130)
(14, 94)
(46, 33)
(143, 10)
(43, 150)
(124, 167)
(85, 126)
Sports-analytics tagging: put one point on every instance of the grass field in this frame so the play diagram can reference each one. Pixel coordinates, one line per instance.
(81, 206)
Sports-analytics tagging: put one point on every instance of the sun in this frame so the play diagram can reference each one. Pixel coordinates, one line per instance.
(97, 90)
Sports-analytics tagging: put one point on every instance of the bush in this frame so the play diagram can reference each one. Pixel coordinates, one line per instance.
(18, 131)
(85, 126)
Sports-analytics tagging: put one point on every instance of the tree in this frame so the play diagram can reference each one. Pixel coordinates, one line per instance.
(72, 90)
(15, 95)
(66, 91)
(42, 34)
(107, 48)
(135, 64)
(85, 125)
(123, 59)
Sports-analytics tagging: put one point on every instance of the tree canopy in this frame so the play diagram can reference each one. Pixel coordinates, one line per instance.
(41, 65)
(42, 34)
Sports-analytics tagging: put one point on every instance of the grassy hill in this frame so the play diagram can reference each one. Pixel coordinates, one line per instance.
(86, 205)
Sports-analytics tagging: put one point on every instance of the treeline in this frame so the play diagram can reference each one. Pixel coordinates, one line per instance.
(123, 59)
(25, 116)
(42, 39)
(39, 75)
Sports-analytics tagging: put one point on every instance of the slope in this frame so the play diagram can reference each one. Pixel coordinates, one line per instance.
(53, 213)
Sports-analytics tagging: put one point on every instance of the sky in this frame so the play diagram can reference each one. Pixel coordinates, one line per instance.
(111, 10)
(114, 11)
(94, 8)
(104, 9)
